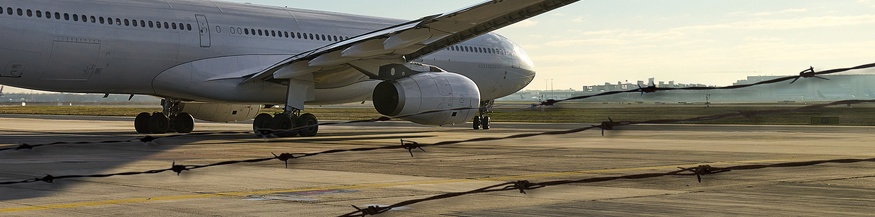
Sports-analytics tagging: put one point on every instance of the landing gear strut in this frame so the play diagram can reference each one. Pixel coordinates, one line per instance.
(172, 119)
(482, 120)
(287, 124)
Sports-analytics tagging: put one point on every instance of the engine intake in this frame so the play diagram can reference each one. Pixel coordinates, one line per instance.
(426, 92)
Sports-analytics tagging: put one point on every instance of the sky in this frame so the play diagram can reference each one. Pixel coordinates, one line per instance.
(714, 42)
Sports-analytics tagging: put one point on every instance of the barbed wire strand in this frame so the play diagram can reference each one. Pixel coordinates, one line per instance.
(523, 185)
(285, 157)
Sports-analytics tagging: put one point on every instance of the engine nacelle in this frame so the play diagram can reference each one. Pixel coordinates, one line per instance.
(221, 112)
(430, 91)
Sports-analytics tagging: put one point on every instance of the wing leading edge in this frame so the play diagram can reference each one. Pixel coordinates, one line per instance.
(408, 41)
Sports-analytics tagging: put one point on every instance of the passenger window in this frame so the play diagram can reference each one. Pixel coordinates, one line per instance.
(151, 24)
(246, 31)
(20, 12)
(335, 38)
(188, 26)
(166, 26)
(287, 34)
(48, 15)
(323, 38)
(29, 13)
(84, 19)
(75, 17)
(9, 11)
(311, 37)
(158, 24)
(174, 25)
(273, 33)
(102, 20)
(127, 22)
(57, 16)
(135, 22)
(299, 35)
(39, 14)
(118, 21)
(143, 23)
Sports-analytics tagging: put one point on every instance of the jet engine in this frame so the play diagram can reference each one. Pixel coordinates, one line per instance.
(439, 98)
(215, 112)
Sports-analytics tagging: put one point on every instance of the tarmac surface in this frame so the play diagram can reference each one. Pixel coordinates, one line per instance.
(585, 174)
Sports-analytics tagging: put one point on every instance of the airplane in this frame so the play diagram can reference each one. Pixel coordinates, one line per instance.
(223, 62)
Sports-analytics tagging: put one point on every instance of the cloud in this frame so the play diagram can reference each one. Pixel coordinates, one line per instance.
(524, 24)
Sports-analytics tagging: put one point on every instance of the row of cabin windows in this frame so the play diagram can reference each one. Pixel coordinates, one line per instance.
(473, 49)
(285, 34)
(93, 19)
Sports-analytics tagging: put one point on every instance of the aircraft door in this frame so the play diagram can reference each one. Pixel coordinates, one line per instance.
(203, 29)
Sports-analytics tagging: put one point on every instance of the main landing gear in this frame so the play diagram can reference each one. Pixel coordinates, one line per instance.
(287, 124)
(482, 120)
(172, 119)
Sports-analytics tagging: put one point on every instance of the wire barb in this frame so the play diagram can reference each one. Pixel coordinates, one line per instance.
(702, 170)
(371, 210)
(808, 73)
(47, 179)
(410, 145)
(148, 139)
(24, 146)
(285, 157)
(178, 168)
(606, 125)
(523, 185)
(649, 89)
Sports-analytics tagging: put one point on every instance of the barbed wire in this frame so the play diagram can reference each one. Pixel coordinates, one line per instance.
(608, 125)
(409, 145)
(808, 73)
(523, 185)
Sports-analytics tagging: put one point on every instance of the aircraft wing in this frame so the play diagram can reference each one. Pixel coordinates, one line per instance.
(411, 40)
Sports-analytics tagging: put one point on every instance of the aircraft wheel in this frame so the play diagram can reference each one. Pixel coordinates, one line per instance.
(159, 123)
(141, 123)
(183, 123)
(485, 122)
(310, 121)
(476, 122)
(282, 124)
(262, 121)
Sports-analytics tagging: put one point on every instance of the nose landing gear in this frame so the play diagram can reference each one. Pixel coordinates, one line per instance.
(482, 120)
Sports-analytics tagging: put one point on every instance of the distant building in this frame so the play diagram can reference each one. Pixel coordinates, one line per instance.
(838, 87)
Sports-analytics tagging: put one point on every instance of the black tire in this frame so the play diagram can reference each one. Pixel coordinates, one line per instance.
(485, 122)
(159, 123)
(183, 123)
(262, 121)
(308, 120)
(476, 122)
(281, 125)
(141, 123)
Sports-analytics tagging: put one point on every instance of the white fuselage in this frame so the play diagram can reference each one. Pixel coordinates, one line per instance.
(128, 47)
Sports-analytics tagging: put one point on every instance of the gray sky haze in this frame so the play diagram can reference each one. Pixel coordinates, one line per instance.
(689, 41)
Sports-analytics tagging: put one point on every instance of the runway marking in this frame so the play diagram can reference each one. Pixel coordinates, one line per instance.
(356, 186)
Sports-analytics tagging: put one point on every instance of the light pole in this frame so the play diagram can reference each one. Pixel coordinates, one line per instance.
(548, 86)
